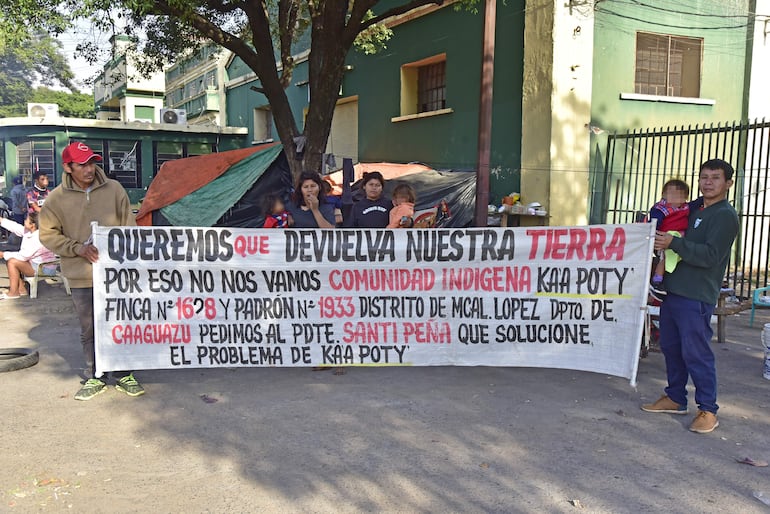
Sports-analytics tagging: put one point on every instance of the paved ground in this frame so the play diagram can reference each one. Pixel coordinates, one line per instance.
(442, 439)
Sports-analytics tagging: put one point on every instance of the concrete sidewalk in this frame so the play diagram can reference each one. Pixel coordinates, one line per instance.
(430, 439)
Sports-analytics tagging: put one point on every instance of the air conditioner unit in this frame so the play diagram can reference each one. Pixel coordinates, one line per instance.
(174, 116)
(36, 110)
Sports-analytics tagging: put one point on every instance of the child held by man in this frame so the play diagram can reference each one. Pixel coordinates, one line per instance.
(671, 214)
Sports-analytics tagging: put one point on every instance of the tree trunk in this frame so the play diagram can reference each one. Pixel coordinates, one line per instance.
(324, 83)
(325, 72)
(334, 27)
(283, 117)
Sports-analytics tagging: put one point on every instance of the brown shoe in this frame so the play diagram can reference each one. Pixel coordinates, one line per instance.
(704, 422)
(665, 405)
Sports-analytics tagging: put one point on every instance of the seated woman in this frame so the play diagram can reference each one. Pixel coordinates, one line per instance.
(308, 207)
(31, 253)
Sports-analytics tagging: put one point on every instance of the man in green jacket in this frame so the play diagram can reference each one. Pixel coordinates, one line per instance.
(85, 195)
(693, 290)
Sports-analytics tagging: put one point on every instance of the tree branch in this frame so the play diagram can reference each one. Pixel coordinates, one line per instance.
(288, 10)
(224, 7)
(401, 9)
(206, 28)
(357, 13)
(259, 24)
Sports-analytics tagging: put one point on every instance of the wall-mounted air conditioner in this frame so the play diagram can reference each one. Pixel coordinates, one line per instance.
(174, 116)
(38, 110)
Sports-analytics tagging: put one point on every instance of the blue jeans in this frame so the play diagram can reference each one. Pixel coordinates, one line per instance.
(685, 340)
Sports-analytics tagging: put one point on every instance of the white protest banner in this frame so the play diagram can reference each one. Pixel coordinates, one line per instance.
(557, 297)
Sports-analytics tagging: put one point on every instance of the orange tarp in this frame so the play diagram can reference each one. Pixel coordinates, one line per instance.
(389, 171)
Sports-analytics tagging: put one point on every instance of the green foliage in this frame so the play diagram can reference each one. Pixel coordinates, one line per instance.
(266, 35)
(22, 20)
(471, 6)
(171, 41)
(14, 94)
(34, 61)
(372, 39)
(71, 105)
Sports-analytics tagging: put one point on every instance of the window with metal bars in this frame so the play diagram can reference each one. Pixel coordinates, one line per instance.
(431, 87)
(668, 65)
(121, 160)
(166, 151)
(36, 155)
(169, 151)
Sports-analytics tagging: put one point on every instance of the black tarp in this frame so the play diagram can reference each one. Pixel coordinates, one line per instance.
(457, 188)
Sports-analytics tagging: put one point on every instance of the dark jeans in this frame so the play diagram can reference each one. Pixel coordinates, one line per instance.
(83, 298)
(685, 340)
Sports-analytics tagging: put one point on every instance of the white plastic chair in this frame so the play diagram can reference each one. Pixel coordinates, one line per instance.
(49, 271)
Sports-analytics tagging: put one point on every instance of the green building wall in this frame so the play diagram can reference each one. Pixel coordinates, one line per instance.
(722, 65)
(723, 81)
(242, 100)
(448, 141)
(13, 135)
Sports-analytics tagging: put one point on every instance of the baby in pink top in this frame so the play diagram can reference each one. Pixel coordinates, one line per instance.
(402, 213)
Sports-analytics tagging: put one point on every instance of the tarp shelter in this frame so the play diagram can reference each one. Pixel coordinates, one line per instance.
(389, 170)
(223, 189)
(227, 189)
(457, 188)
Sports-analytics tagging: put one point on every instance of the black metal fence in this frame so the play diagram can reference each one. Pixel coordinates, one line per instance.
(639, 162)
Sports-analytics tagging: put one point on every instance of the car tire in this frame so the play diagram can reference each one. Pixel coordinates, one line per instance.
(12, 359)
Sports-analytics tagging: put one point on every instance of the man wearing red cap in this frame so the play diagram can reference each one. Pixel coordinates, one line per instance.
(85, 195)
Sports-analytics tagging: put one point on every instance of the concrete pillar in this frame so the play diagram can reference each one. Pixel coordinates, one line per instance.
(556, 108)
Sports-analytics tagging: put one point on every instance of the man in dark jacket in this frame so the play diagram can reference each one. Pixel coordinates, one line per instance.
(693, 290)
(19, 204)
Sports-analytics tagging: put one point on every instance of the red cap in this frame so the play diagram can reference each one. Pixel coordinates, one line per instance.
(79, 153)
